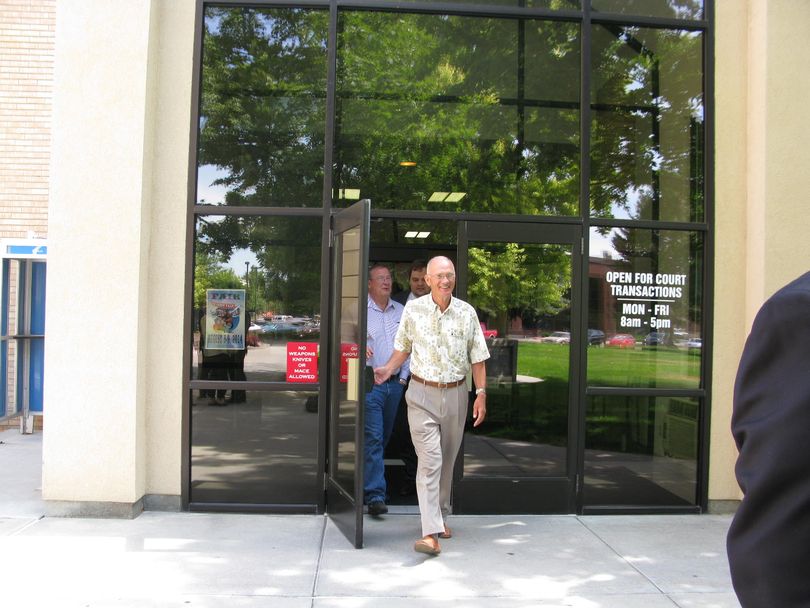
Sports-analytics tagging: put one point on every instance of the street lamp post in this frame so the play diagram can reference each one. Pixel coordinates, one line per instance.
(247, 291)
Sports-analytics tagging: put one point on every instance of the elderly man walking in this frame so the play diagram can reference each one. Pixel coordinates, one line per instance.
(443, 337)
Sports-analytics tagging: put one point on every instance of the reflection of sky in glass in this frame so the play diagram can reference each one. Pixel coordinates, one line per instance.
(239, 256)
(212, 22)
(238, 259)
(600, 246)
(207, 192)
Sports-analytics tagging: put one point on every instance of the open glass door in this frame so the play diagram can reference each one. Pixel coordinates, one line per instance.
(521, 279)
(347, 354)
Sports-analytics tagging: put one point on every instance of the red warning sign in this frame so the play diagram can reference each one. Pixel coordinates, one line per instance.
(302, 362)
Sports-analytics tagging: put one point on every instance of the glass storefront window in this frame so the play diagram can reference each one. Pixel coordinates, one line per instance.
(446, 113)
(262, 450)
(647, 131)
(456, 128)
(522, 294)
(549, 4)
(641, 451)
(262, 107)
(257, 290)
(670, 9)
(645, 300)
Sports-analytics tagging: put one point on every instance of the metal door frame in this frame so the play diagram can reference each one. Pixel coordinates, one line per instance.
(344, 505)
(509, 490)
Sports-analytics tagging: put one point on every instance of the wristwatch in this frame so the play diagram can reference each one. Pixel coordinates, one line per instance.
(403, 381)
(480, 391)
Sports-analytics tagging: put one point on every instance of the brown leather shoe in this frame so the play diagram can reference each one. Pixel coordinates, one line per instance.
(448, 533)
(427, 545)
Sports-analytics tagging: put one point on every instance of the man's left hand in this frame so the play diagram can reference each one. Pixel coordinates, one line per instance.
(479, 409)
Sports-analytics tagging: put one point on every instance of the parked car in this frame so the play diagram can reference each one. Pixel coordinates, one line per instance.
(558, 337)
(680, 338)
(285, 329)
(657, 338)
(310, 330)
(694, 345)
(596, 337)
(488, 333)
(621, 341)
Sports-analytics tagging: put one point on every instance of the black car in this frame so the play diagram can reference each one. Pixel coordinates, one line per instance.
(657, 338)
(596, 337)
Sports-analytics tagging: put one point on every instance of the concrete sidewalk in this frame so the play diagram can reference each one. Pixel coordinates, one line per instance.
(302, 561)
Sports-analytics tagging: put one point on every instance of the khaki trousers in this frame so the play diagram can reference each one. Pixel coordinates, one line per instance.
(436, 417)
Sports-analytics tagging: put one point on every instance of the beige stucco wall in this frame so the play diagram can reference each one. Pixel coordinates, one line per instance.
(762, 186)
(169, 184)
(119, 168)
(785, 156)
(730, 236)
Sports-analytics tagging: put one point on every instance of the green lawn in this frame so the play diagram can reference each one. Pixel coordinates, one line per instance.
(631, 368)
(538, 411)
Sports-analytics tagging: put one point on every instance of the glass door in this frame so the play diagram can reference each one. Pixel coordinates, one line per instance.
(522, 280)
(347, 353)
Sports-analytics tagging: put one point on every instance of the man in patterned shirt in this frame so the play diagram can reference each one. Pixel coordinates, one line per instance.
(382, 401)
(443, 337)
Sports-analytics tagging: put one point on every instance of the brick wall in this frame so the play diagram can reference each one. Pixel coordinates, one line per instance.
(26, 85)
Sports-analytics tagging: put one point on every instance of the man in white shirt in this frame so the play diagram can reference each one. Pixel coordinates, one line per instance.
(443, 337)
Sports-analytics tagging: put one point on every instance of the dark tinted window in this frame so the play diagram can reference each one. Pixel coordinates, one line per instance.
(647, 130)
(448, 113)
(672, 9)
(267, 269)
(262, 107)
(263, 450)
(646, 296)
(641, 451)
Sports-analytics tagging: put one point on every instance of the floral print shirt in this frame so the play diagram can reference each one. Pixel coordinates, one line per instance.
(442, 345)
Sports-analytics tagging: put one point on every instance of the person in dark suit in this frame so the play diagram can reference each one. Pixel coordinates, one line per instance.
(769, 539)
(401, 445)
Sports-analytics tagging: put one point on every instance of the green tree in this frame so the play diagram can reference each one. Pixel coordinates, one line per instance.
(508, 280)
(210, 273)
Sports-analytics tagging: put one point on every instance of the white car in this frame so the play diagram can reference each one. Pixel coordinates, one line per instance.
(695, 344)
(558, 337)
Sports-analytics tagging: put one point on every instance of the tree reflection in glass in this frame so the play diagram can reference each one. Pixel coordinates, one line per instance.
(262, 107)
(450, 113)
(522, 293)
(647, 130)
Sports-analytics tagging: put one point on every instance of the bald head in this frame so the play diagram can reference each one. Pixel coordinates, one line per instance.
(441, 278)
(440, 261)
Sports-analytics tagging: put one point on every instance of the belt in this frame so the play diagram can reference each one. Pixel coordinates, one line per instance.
(437, 384)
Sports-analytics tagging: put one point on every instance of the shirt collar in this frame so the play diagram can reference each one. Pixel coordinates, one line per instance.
(373, 304)
(436, 306)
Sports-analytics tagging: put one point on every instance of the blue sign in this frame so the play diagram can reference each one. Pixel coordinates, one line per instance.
(27, 249)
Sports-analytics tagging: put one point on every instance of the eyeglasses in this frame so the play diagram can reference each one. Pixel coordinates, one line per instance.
(382, 279)
(450, 276)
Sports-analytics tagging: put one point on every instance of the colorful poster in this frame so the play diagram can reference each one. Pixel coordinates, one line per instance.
(302, 361)
(224, 319)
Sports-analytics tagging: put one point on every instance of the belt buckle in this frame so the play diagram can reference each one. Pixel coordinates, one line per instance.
(442, 385)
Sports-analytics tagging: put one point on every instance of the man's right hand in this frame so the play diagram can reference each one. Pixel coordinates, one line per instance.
(381, 374)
